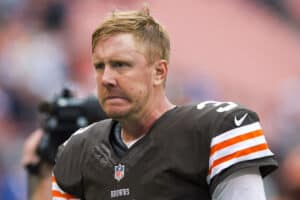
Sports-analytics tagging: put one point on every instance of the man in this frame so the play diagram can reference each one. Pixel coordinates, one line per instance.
(150, 148)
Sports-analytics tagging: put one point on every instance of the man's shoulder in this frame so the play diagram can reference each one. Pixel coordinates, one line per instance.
(91, 132)
(212, 109)
(73, 153)
(217, 116)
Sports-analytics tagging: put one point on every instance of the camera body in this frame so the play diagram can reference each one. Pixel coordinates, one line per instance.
(61, 117)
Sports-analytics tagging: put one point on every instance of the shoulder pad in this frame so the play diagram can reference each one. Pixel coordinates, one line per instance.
(70, 157)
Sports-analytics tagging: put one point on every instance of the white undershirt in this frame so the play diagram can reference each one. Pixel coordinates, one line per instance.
(129, 144)
(246, 184)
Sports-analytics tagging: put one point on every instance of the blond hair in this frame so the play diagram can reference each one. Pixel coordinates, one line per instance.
(144, 28)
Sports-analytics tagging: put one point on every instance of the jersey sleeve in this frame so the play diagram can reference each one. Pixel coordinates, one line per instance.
(68, 163)
(238, 142)
(58, 193)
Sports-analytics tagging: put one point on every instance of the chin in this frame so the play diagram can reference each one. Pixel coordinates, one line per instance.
(116, 114)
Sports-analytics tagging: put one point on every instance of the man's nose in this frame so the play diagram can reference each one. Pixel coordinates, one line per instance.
(109, 77)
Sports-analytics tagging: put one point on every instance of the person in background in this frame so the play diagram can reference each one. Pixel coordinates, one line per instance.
(40, 182)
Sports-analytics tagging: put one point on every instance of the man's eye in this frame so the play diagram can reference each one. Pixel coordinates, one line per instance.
(119, 64)
(99, 66)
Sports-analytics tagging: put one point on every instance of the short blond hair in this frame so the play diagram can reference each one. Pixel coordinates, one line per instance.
(144, 28)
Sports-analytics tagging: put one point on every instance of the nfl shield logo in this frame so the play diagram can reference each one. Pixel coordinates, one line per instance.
(119, 172)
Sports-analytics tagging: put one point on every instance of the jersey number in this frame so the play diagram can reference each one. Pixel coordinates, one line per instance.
(227, 105)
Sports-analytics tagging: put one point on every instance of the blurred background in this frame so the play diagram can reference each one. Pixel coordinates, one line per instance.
(245, 51)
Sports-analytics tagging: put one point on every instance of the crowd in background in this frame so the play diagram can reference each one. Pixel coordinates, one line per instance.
(42, 50)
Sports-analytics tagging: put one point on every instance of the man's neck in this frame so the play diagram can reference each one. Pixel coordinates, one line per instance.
(135, 128)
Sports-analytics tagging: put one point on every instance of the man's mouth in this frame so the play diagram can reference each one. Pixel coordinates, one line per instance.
(114, 98)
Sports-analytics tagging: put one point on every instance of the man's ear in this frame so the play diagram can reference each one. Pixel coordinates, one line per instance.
(160, 71)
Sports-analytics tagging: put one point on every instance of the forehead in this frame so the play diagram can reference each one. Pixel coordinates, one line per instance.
(117, 45)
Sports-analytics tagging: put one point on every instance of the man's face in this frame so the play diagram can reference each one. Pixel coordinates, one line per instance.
(124, 77)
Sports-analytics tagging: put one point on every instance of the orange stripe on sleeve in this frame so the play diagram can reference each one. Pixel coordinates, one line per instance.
(61, 195)
(235, 140)
(53, 179)
(237, 154)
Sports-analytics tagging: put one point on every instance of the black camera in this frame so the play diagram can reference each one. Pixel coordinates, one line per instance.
(61, 117)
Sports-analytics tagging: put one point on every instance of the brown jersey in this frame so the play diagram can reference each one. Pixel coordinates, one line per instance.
(188, 151)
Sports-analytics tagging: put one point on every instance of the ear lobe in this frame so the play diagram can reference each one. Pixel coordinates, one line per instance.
(160, 72)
